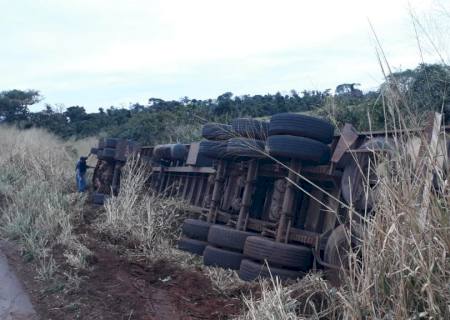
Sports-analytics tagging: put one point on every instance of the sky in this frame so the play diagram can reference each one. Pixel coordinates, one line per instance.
(98, 53)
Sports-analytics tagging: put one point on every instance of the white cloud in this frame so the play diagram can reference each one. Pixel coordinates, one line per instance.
(94, 52)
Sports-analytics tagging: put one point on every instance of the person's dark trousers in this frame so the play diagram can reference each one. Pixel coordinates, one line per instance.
(81, 182)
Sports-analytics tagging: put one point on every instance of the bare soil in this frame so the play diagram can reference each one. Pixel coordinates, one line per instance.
(14, 301)
(116, 288)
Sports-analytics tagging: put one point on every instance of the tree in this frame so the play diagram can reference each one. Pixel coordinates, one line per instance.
(136, 107)
(349, 90)
(75, 113)
(14, 104)
(425, 88)
(51, 120)
(224, 104)
(430, 89)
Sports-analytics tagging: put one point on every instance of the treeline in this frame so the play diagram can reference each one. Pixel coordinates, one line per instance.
(408, 92)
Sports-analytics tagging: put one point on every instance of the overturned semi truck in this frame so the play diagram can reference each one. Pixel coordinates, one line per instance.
(269, 198)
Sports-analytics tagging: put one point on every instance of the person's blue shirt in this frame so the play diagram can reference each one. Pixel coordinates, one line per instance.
(81, 167)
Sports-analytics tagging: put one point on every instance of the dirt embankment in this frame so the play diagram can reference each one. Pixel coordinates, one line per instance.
(114, 287)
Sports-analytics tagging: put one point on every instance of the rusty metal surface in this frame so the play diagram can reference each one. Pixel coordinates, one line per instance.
(193, 154)
(288, 201)
(295, 235)
(217, 191)
(252, 173)
(347, 139)
(314, 210)
(279, 188)
(330, 216)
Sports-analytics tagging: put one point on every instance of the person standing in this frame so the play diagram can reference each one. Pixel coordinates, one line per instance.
(81, 169)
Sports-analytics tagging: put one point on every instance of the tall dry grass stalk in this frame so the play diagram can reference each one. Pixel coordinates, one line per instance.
(38, 205)
(276, 302)
(138, 218)
(402, 268)
(82, 148)
(405, 264)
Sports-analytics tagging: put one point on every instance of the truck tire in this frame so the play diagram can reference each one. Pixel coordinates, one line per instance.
(101, 143)
(196, 229)
(226, 237)
(160, 151)
(178, 151)
(172, 151)
(336, 248)
(339, 243)
(245, 148)
(251, 270)
(203, 161)
(309, 151)
(217, 131)
(302, 126)
(251, 128)
(216, 257)
(111, 142)
(108, 154)
(278, 254)
(213, 149)
(192, 245)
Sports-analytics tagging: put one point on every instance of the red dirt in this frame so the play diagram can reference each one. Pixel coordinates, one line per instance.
(117, 288)
(159, 291)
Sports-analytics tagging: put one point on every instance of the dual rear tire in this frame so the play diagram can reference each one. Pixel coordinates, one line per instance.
(250, 270)
(194, 236)
(301, 137)
(226, 246)
(266, 258)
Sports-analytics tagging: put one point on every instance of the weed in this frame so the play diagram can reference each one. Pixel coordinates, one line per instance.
(140, 219)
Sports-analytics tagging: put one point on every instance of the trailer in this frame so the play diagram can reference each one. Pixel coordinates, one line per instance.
(276, 198)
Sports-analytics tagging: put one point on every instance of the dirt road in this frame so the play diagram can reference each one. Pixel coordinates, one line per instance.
(14, 301)
(116, 288)
(112, 286)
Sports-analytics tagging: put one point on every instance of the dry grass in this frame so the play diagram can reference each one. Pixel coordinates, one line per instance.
(83, 148)
(38, 205)
(225, 281)
(150, 226)
(276, 302)
(139, 219)
(402, 269)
